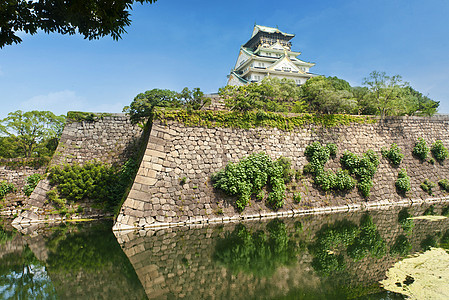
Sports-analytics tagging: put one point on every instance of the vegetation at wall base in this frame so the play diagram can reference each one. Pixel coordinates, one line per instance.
(253, 119)
(394, 154)
(6, 188)
(421, 150)
(94, 180)
(427, 186)
(444, 184)
(439, 151)
(31, 183)
(249, 176)
(403, 182)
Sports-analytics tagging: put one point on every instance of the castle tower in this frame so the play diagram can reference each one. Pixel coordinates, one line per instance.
(268, 53)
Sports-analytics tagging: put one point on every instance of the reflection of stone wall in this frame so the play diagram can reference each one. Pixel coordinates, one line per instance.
(175, 151)
(178, 262)
(109, 139)
(111, 280)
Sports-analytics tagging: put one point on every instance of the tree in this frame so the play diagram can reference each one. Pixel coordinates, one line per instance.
(329, 95)
(418, 104)
(142, 107)
(285, 95)
(91, 18)
(386, 93)
(31, 131)
(271, 94)
(193, 99)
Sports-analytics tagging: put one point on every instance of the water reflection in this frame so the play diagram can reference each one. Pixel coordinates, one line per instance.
(71, 261)
(338, 256)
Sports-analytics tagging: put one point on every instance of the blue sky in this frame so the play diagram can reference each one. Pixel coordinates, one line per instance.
(177, 43)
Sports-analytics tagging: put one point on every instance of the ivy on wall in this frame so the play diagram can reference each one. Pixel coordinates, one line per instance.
(252, 119)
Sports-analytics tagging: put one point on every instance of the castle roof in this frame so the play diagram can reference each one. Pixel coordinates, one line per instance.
(258, 28)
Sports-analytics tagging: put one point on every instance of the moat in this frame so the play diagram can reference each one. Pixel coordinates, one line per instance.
(329, 256)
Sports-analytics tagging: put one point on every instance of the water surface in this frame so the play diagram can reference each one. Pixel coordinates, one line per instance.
(336, 256)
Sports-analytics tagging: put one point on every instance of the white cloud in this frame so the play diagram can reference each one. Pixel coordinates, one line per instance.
(58, 102)
(63, 101)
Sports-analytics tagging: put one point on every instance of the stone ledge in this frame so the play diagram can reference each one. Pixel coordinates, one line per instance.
(200, 221)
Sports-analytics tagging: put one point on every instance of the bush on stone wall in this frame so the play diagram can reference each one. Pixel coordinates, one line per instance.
(363, 168)
(317, 156)
(6, 188)
(249, 176)
(439, 151)
(427, 186)
(444, 184)
(393, 154)
(403, 182)
(31, 184)
(421, 150)
(94, 180)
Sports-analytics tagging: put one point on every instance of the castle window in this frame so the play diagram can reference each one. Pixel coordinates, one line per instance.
(286, 69)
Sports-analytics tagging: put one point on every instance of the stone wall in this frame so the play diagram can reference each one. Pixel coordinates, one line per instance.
(16, 176)
(180, 262)
(110, 139)
(175, 151)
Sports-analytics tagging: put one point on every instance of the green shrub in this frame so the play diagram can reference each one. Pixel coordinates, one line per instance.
(53, 198)
(95, 181)
(249, 176)
(333, 150)
(32, 182)
(287, 171)
(444, 184)
(318, 155)
(394, 155)
(421, 150)
(364, 187)
(427, 186)
(403, 182)
(439, 151)
(297, 197)
(6, 188)
(343, 181)
(363, 168)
